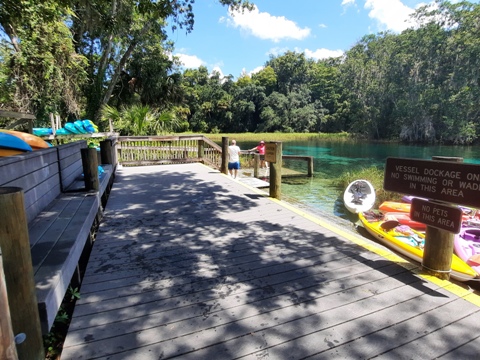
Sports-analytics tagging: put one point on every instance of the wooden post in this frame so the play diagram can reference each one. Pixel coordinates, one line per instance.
(256, 165)
(224, 165)
(8, 351)
(201, 149)
(106, 152)
(114, 142)
(19, 280)
(58, 122)
(310, 166)
(52, 123)
(90, 169)
(30, 126)
(276, 173)
(438, 250)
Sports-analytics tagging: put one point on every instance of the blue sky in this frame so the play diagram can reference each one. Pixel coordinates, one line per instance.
(236, 43)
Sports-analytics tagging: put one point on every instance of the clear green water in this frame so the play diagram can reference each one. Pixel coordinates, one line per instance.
(331, 159)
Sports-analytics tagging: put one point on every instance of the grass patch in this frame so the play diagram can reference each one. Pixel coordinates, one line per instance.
(253, 137)
(375, 176)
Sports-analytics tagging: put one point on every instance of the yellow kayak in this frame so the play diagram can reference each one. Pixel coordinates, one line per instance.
(409, 243)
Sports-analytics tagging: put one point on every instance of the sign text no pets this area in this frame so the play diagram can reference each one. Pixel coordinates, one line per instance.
(456, 183)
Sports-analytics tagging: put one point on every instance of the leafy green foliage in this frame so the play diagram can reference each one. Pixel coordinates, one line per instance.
(40, 69)
(75, 56)
(140, 120)
(73, 293)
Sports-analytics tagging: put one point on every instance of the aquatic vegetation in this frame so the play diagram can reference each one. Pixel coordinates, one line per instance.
(375, 176)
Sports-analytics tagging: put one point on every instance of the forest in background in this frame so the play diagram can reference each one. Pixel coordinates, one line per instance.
(104, 59)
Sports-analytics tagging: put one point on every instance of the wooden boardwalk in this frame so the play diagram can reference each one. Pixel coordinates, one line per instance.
(190, 263)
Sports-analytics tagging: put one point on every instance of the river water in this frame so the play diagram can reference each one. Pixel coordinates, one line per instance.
(332, 158)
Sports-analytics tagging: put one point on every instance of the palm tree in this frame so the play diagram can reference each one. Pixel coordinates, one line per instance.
(140, 120)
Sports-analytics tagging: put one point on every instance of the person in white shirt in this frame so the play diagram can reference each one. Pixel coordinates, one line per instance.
(233, 159)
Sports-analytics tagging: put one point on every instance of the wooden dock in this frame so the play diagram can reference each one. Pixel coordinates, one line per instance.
(190, 263)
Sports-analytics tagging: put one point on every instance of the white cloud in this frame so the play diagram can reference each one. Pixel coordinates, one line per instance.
(190, 61)
(256, 70)
(266, 26)
(390, 15)
(218, 70)
(322, 53)
(348, 2)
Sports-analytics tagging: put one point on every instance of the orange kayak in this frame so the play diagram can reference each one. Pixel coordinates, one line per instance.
(34, 141)
(393, 206)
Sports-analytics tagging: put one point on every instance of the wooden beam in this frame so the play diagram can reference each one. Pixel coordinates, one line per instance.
(16, 115)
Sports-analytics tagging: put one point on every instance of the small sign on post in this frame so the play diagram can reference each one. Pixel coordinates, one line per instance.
(443, 217)
(271, 152)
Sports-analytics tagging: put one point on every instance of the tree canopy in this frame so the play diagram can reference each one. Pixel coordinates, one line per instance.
(76, 56)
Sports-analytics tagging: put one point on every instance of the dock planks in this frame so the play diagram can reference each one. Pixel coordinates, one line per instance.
(189, 263)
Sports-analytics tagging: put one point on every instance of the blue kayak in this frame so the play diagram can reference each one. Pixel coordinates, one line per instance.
(8, 141)
(79, 126)
(72, 128)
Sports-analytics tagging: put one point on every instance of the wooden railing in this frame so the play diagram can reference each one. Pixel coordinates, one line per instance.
(307, 159)
(154, 150)
(184, 149)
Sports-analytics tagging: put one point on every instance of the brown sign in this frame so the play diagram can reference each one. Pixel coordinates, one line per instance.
(271, 152)
(444, 217)
(456, 183)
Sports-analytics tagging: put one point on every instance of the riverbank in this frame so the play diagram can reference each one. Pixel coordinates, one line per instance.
(255, 137)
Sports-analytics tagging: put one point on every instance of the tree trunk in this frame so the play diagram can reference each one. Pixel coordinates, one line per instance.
(122, 63)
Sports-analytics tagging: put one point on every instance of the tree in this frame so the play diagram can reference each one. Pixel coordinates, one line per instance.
(108, 32)
(140, 120)
(266, 78)
(40, 64)
(291, 69)
(246, 106)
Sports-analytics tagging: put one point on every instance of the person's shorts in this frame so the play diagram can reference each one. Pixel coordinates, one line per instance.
(233, 165)
(262, 157)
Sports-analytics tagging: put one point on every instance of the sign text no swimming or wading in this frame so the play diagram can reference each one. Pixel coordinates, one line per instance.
(456, 183)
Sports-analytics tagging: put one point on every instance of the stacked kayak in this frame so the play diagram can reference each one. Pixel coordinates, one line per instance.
(71, 128)
(409, 243)
(405, 219)
(35, 142)
(401, 212)
(12, 145)
(394, 206)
